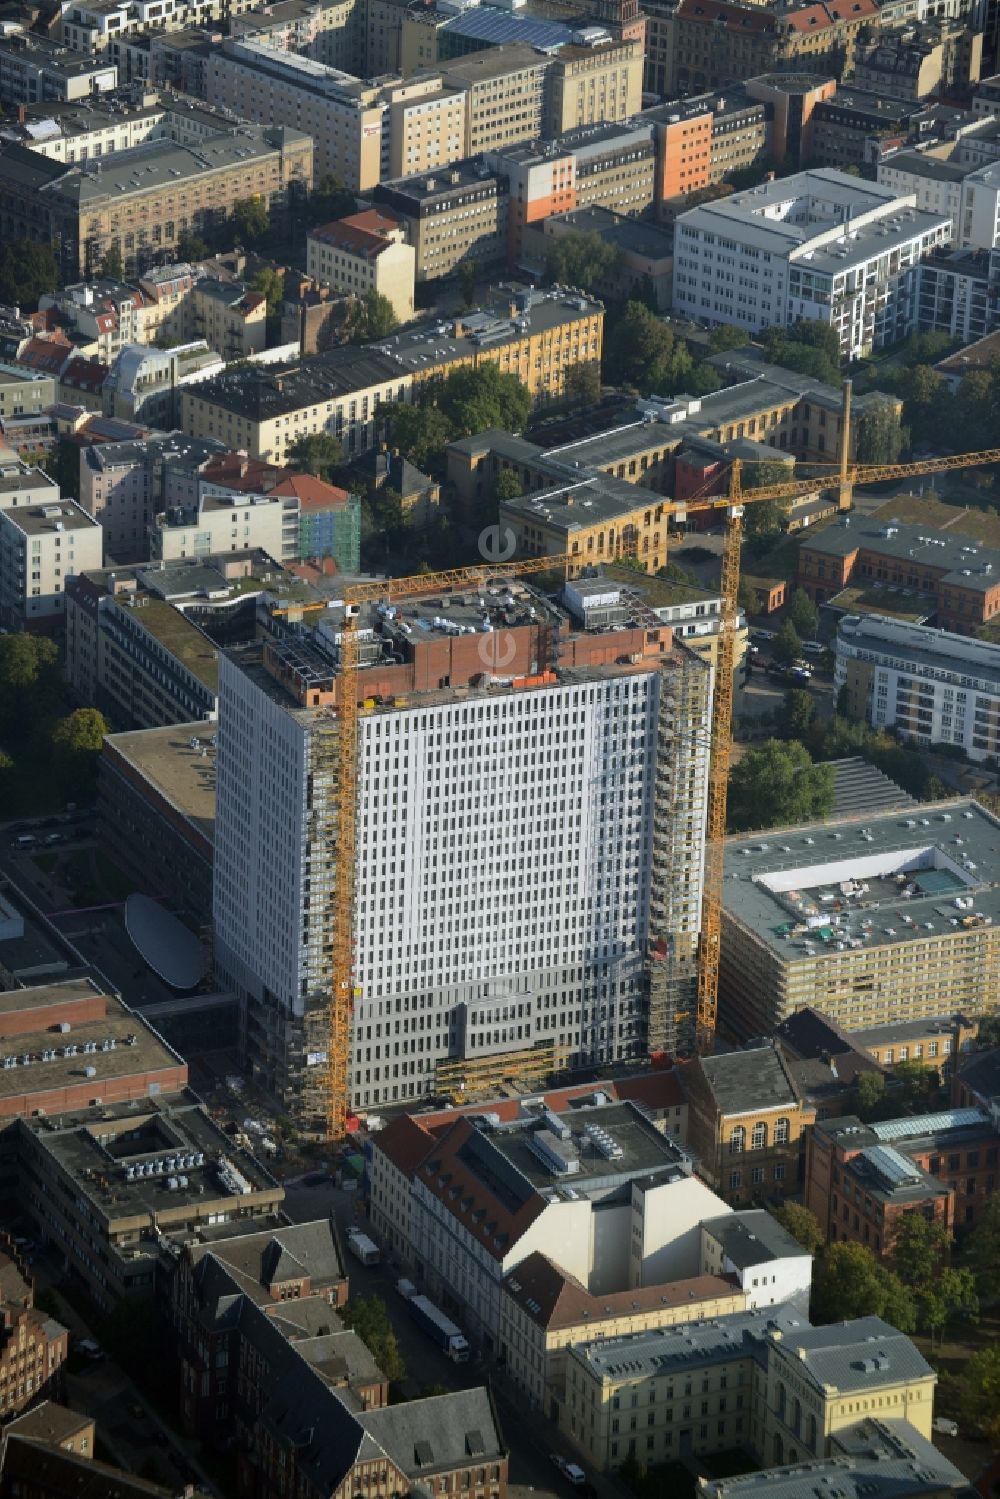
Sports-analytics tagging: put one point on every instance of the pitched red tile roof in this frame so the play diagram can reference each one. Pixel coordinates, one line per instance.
(374, 220)
(313, 493)
(468, 1196)
(406, 1142)
(237, 471)
(347, 237)
(84, 374)
(554, 1299)
(743, 17)
(46, 354)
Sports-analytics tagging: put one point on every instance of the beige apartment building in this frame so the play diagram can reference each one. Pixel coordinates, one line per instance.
(141, 203)
(229, 317)
(504, 91)
(426, 125)
(362, 253)
(588, 84)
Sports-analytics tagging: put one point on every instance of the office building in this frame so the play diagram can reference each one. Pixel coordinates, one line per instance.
(930, 686)
(488, 993)
(819, 245)
(854, 128)
(34, 70)
(862, 1180)
(767, 1381)
(156, 806)
(835, 915)
(455, 215)
(141, 205)
(363, 253)
(953, 574)
(42, 549)
(700, 140)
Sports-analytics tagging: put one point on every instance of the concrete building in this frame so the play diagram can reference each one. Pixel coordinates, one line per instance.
(156, 805)
(363, 253)
(931, 686)
(143, 383)
(643, 253)
(747, 1123)
(959, 294)
(124, 484)
(183, 187)
(34, 69)
(862, 1180)
(831, 915)
(700, 140)
(229, 317)
(854, 128)
(456, 215)
(914, 61)
(794, 1385)
(788, 255)
(551, 994)
(42, 548)
(954, 571)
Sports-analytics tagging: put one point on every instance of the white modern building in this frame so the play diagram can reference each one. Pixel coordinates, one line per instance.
(41, 545)
(930, 685)
(818, 245)
(968, 194)
(529, 850)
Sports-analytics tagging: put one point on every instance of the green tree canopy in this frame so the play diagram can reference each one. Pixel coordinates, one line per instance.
(192, 247)
(849, 1282)
(919, 1248)
(582, 384)
(786, 646)
(983, 1250)
(249, 220)
(642, 351)
(811, 348)
(28, 271)
(579, 260)
(467, 272)
(373, 316)
(330, 200)
(317, 453)
(747, 597)
(112, 265)
(76, 744)
(269, 283)
(869, 1094)
(508, 486)
(421, 432)
(979, 1392)
(802, 1224)
(30, 683)
(882, 438)
(476, 398)
(726, 336)
(776, 782)
(803, 614)
(368, 1317)
(797, 713)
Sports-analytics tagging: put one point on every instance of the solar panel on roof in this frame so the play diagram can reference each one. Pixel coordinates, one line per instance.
(489, 25)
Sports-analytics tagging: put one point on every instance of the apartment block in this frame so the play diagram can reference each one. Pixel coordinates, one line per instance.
(34, 69)
(230, 318)
(854, 128)
(505, 96)
(365, 252)
(914, 61)
(95, 26)
(458, 215)
(124, 484)
(142, 204)
(930, 686)
(959, 294)
(328, 30)
(786, 945)
(456, 1007)
(766, 1381)
(42, 549)
(787, 253)
(262, 411)
(862, 1180)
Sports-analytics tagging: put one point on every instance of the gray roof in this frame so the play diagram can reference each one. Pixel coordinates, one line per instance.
(661, 1352)
(904, 1030)
(919, 164)
(753, 1237)
(424, 1437)
(783, 883)
(981, 1074)
(861, 787)
(968, 663)
(858, 1355)
(262, 393)
(749, 1081)
(953, 555)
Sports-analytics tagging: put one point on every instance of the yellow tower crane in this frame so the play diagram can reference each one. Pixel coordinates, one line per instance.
(389, 590)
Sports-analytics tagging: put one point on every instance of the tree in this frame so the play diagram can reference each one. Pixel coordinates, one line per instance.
(582, 384)
(988, 1032)
(918, 1083)
(368, 1317)
(881, 434)
(191, 247)
(112, 265)
(869, 1093)
(581, 260)
(776, 782)
(919, 1248)
(747, 598)
(726, 336)
(803, 614)
(802, 1224)
(508, 486)
(330, 200)
(951, 1292)
(786, 646)
(28, 271)
(372, 317)
(420, 432)
(269, 283)
(979, 1392)
(474, 399)
(642, 351)
(467, 281)
(983, 1251)
(849, 1282)
(250, 220)
(316, 453)
(76, 744)
(797, 713)
(30, 683)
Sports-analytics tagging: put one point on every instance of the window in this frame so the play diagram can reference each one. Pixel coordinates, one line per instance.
(758, 1140)
(735, 1180)
(738, 1140)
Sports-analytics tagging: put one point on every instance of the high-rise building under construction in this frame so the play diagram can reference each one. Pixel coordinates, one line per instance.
(530, 839)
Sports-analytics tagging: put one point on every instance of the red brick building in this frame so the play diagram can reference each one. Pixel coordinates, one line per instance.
(33, 1346)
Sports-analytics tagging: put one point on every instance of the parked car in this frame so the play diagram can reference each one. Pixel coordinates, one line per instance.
(812, 647)
(944, 1426)
(54, 838)
(576, 1476)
